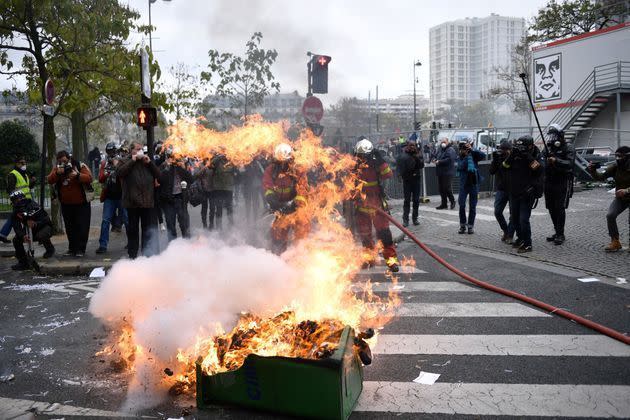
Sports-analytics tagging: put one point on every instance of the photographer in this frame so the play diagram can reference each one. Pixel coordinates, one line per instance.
(17, 179)
(502, 195)
(111, 195)
(445, 161)
(138, 174)
(620, 172)
(410, 165)
(558, 158)
(469, 180)
(524, 166)
(174, 180)
(28, 215)
(71, 178)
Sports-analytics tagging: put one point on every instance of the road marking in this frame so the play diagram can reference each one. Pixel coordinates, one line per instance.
(503, 345)
(419, 286)
(506, 212)
(496, 399)
(11, 407)
(82, 287)
(472, 309)
(381, 269)
(456, 213)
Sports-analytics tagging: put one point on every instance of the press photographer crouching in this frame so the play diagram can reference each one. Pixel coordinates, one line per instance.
(620, 172)
(524, 165)
(72, 181)
(30, 223)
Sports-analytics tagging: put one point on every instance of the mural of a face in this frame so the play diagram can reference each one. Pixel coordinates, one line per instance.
(547, 78)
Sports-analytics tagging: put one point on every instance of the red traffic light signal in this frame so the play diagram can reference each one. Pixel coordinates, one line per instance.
(318, 73)
(323, 60)
(146, 116)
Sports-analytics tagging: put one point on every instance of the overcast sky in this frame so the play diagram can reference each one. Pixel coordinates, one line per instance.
(372, 42)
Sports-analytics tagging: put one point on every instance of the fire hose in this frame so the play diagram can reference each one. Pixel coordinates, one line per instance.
(535, 302)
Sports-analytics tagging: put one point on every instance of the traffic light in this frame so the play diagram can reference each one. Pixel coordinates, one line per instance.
(146, 116)
(319, 73)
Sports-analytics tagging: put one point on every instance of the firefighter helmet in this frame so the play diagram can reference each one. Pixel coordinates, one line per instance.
(364, 147)
(283, 152)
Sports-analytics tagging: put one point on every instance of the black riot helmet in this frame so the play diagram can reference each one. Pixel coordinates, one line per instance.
(111, 148)
(555, 136)
(524, 144)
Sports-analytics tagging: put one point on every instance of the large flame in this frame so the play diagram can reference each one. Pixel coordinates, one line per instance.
(326, 260)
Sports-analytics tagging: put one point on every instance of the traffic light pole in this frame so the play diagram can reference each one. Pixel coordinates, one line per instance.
(309, 71)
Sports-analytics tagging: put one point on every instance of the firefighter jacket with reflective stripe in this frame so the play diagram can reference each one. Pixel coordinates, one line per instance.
(284, 185)
(371, 175)
(22, 183)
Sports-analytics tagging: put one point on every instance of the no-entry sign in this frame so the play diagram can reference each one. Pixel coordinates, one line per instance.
(312, 109)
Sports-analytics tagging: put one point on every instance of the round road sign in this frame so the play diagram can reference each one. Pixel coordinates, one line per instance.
(50, 92)
(312, 109)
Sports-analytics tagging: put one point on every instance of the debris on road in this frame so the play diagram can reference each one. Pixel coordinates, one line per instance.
(7, 378)
(426, 378)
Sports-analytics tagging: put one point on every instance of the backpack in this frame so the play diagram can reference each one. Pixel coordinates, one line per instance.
(196, 194)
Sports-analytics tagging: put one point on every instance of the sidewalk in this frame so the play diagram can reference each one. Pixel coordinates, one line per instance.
(585, 231)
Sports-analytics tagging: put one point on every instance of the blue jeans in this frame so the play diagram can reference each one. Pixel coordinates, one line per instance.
(109, 209)
(521, 210)
(501, 199)
(471, 191)
(8, 225)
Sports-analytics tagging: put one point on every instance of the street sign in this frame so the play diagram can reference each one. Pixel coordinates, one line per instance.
(145, 73)
(312, 109)
(50, 92)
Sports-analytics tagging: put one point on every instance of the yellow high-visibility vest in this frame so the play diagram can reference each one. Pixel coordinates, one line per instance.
(21, 183)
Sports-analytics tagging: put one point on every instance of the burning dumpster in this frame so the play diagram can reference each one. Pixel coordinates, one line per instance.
(318, 388)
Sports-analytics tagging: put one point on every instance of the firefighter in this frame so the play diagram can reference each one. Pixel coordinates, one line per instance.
(285, 192)
(372, 170)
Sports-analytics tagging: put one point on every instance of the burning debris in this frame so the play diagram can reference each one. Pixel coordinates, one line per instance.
(181, 308)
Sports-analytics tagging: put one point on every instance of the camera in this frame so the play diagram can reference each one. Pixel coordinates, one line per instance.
(67, 168)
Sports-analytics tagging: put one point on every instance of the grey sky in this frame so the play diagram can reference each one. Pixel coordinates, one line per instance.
(371, 41)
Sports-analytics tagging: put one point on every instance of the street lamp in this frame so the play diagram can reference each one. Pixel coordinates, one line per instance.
(150, 27)
(416, 63)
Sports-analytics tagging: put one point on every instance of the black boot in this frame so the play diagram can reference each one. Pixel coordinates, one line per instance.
(551, 238)
(559, 239)
(441, 206)
(405, 222)
(416, 222)
(50, 249)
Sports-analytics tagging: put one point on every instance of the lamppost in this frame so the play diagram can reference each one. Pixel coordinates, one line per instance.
(416, 63)
(150, 27)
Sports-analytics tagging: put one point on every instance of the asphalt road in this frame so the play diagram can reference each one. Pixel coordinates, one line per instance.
(496, 357)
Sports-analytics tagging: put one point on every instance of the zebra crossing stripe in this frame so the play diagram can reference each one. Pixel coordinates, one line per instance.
(502, 345)
(472, 309)
(83, 287)
(381, 269)
(496, 399)
(420, 286)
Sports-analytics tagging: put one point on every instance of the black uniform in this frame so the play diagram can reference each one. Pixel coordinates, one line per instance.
(24, 210)
(558, 184)
(410, 164)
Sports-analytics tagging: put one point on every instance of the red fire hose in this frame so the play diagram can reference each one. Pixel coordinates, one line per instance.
(552, 309)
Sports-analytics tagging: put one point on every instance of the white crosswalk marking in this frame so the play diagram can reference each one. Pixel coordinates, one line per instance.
(468, 309)
(496, 399)
(382, 269)
(420, 286)
(503, 345)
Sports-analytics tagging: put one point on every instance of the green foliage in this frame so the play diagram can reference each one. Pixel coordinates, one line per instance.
(512, 87)
(573, 17)
(245, 80)
(17, 140)
(182, 93)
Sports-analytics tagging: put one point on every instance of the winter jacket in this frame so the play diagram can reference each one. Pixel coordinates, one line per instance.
(468, 168)
(168, 174)
(371, 174)
(620, 175)
(562, 169)
(446, 159)
(500, 172)
(223, 176)
(138, 183)
(70, 191)
(27, 209)
(204, 175)
(282, 184)
(108, 177)
(409, 166)
(522, 178)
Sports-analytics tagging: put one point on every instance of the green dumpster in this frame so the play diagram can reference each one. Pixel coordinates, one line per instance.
(326, 388)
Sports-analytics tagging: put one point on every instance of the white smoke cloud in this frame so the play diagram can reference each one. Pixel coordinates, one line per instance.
(185, 291)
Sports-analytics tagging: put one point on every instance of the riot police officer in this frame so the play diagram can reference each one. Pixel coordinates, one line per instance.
(558, 158)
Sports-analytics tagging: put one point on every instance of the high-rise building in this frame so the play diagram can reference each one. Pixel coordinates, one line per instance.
(465, 53)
